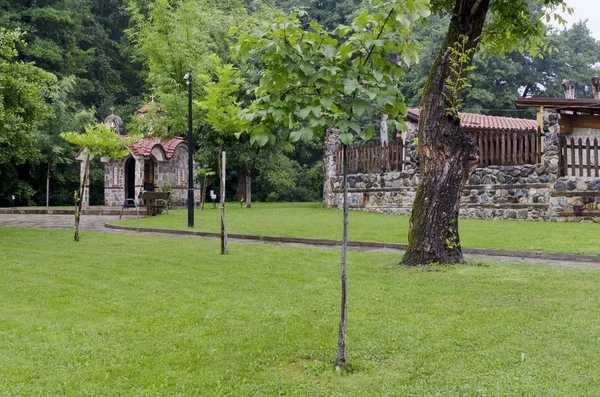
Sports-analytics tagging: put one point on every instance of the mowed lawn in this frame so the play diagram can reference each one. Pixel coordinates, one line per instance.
(312, 221)
(123, 315)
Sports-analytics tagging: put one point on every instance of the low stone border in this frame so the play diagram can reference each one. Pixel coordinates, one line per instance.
(36, 212)
(93, 211)
(368, 244)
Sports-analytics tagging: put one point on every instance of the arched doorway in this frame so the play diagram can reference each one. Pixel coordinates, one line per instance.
(130, 178)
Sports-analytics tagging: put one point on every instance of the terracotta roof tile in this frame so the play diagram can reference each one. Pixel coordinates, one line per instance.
(484, 122)
(143, 147)
(171, 144)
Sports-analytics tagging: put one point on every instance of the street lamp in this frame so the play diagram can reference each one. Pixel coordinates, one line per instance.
(188, 79)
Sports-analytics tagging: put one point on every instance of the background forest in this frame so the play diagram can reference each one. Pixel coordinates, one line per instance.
(67, 63)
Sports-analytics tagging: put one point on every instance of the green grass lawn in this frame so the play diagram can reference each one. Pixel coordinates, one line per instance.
(311, 220)
(122, 315)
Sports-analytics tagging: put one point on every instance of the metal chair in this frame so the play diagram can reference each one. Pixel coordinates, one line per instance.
(134, 203)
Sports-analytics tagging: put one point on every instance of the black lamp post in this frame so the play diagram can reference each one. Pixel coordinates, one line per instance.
(188, 79)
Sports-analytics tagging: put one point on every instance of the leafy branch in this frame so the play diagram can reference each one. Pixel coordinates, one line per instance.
(460, 65)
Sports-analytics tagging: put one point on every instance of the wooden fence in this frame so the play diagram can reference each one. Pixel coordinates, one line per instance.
(496, 147)
(579, 158)
(373, 157)
(508, 147)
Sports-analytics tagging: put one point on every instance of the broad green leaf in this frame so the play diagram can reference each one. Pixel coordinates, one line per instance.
(367, 133)
(343, 31)
(350, 85)
(346, 125)
(303, 113)
(403, 20)
(346, 138)
(260, 139)
(327, 101)
(422, 8)
(358, 106)
(362, 20)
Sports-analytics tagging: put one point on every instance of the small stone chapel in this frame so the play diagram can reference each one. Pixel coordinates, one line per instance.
(150, 163)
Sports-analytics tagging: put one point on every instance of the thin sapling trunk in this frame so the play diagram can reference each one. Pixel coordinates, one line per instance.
(248, 188)
(203, 195)
(79, 197)
(383, 128)
(48, 183)
(223, 225)
(341, 356)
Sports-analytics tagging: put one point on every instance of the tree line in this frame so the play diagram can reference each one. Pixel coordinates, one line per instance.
(67, 63)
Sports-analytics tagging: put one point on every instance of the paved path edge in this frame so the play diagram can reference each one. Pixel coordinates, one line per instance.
(367, 244)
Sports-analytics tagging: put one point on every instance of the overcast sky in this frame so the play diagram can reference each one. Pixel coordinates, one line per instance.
(586, 9)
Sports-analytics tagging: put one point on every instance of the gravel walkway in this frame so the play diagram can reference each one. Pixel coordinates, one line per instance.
(97, 223)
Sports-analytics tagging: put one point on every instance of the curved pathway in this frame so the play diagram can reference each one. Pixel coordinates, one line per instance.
(96, 223)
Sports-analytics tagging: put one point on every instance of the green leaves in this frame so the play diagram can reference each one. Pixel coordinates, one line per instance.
(313, 80)
(100, 141)
(350, 85)
(223, 112)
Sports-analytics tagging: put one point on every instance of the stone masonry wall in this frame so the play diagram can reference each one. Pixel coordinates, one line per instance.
(526, 192)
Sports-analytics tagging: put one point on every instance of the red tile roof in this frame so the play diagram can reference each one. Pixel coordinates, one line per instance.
(170, 145)
(471, 121)
(143, 147)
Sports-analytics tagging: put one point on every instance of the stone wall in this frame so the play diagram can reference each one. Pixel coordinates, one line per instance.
(576, 199)
(114, 182)
(525, 192)
(174, 171)
(390, 193)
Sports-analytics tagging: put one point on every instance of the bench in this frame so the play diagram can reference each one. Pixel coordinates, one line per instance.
(155, 202)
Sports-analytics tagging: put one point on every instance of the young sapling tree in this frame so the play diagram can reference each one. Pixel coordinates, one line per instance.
(97, 141)
(316, 81)
(221, 113)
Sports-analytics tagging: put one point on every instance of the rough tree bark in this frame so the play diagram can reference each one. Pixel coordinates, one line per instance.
(340, 362)
(448, 154)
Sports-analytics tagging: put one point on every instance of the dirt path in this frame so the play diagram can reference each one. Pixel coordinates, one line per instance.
(97, 223)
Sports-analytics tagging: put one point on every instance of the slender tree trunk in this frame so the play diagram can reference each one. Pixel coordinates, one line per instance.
(383, 128)
(340, 362)
(447, 153)
(223, 225)
(203, 190)
(79, 197)
(241, 184)
(48, 183)
(248, 187)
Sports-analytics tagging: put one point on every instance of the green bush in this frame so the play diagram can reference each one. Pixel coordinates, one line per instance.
(165, 186)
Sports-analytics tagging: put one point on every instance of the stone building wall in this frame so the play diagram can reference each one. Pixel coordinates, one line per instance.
(174, 171)
(114, 182)
(526, 192)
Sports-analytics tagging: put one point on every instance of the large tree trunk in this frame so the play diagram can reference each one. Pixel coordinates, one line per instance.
(341, 359)
(448, 154)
